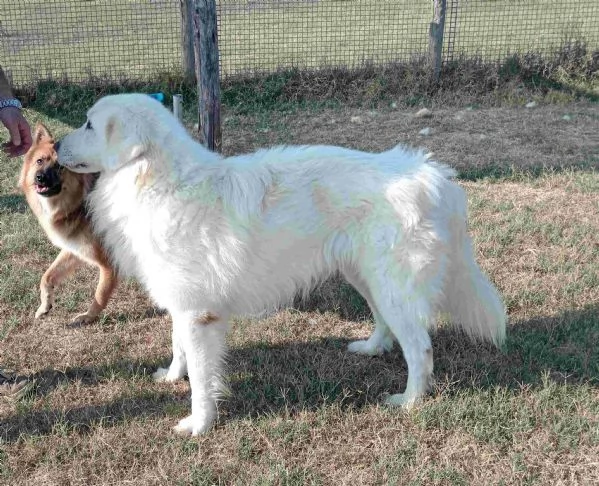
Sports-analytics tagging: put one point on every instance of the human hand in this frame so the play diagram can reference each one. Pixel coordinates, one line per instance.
(19, 130)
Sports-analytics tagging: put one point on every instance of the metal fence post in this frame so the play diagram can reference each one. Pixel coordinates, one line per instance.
(178, 106)
(188, 56)
(206, 58)
(435, 38)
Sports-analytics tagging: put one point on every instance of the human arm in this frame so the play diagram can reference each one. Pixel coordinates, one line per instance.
(14, 121)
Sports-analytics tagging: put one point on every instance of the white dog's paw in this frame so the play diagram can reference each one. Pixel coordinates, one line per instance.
(190, 426)
(165, 374)
(369, 348)
(404, 400)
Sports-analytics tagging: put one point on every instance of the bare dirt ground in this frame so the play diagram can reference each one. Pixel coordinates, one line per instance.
(469, 138)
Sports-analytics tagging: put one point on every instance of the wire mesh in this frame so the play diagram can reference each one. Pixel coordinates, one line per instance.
(265, 35)
(136, 39)
(494, 30)
(86, 38)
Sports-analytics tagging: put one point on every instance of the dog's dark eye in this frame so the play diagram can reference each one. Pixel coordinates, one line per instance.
(88, 125)
(39, 162)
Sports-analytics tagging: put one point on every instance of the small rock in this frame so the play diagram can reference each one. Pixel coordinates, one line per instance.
(532, 104)
(356, 119)
(567, 117)
(394, 105)
(425, 132)
(459, 116)
(424, 113)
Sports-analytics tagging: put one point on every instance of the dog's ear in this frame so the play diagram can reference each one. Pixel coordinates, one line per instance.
(124, 146)
(41, 133)
(113, 129)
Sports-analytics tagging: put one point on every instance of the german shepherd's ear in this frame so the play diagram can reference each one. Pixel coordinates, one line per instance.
(41, 133)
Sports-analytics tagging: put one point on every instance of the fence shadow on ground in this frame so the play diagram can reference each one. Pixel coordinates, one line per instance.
(309, 375)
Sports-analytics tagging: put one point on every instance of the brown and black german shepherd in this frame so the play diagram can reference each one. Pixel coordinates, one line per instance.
(56, 197)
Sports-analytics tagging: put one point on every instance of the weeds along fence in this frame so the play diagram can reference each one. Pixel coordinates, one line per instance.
(136, 39)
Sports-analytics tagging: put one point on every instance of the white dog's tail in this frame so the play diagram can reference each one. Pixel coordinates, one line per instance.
(472, 301)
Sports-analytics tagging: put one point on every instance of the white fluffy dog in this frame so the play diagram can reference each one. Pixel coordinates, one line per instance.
(210, 237)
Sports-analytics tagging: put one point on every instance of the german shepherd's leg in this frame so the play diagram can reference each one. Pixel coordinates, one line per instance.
(64, 265)
(106, 285)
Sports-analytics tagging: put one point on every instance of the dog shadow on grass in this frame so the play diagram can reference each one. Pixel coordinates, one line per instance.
(289, 378)
(307, 375)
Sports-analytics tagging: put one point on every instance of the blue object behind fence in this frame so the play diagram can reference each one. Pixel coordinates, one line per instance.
(157, 96)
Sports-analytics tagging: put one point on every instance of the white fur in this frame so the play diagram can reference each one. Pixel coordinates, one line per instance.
(214, 236)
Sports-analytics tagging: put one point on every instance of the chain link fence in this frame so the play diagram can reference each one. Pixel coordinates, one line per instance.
(136, 39)
(265, 35)
(496, 29)
(82, 39)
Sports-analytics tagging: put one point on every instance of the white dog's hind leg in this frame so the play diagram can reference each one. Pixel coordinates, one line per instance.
(408, 326)
(203, 338)
(178, 366)
(381, 340)
(407, 314)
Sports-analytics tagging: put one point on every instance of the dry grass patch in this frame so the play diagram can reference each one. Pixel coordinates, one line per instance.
(302, 411)
(539, 240)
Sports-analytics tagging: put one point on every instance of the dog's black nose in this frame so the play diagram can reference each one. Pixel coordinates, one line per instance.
(57, 145)
(40, 178)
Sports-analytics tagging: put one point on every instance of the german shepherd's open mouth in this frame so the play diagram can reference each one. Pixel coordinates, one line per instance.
(48, 182)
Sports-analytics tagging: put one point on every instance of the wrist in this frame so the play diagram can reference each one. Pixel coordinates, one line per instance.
(6, 102)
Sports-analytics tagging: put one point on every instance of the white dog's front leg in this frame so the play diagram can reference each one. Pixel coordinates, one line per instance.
(178, 366)
(202, 336)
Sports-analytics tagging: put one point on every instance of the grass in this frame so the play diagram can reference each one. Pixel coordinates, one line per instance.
(302, 410)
